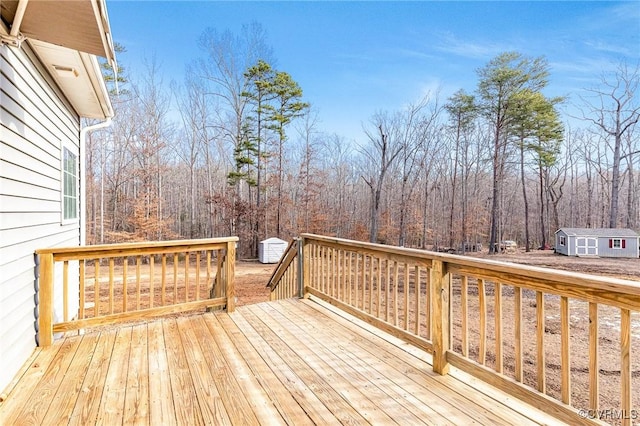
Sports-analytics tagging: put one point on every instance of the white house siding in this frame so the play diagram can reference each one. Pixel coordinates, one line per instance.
(35, 122)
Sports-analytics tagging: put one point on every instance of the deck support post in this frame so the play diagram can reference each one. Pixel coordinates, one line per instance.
(229, 274)
(45, 299)
(440, 297)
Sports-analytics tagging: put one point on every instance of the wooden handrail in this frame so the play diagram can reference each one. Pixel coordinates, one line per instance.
(179, 260)
(284, 280)
(410, 293)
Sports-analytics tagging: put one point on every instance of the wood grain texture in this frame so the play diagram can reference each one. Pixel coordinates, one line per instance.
(296, 361)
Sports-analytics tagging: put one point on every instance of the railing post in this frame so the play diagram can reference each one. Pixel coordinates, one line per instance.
(45, 298)
(229, 272)
(306, 265)
(301, 268)
(440, 296)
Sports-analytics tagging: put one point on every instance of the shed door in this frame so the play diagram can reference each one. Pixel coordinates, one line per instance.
(586, 246)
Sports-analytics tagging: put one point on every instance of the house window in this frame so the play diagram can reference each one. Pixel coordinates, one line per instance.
(617, 243)
(69, 185)
(562, 240)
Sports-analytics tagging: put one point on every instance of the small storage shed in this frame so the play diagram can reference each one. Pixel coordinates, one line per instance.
(271, 250)
(603, 242)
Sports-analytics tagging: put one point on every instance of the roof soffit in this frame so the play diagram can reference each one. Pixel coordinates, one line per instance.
(79, 24)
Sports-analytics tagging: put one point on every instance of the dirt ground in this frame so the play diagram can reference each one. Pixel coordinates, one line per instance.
(620, 268)
(251, 281)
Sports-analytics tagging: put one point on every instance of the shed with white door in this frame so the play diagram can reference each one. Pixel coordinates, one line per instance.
(271, 250)
(602, 242)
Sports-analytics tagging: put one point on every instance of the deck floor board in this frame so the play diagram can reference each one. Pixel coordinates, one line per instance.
(296, 362)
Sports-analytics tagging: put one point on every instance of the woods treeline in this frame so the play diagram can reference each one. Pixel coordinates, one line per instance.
(236, 149)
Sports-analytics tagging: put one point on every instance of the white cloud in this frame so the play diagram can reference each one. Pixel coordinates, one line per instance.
(449, 43)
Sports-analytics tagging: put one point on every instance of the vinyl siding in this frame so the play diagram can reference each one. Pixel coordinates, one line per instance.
(35, 122)
(567, 241)
(630, 249)
(602, 237)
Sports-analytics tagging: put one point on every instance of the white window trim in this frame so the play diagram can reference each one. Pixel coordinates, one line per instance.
(73, 150)
(563, 240)
(613, 243)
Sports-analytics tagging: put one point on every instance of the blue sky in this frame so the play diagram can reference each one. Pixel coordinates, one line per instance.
(355, 58)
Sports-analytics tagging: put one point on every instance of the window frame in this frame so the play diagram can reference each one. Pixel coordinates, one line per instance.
(620, 243)
(69, 180)
(563, 240)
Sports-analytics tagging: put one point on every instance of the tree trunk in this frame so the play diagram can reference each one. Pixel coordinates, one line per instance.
(543, 233)
(527, 240)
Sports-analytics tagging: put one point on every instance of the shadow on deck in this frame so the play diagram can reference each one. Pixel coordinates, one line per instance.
(287, 362)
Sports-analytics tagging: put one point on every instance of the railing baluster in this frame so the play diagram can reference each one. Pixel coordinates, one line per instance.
(208, 268)
(387, 290)
(163, 279)
(125, 299)
(186, 275)
(427, 304)
(406, 288)
(362, 279)
(626, 402)
(594, 365)
(540, 330)
(323, 268)
(497, 297)
(349, 277)
(482, 306)
(371, 284)
(197, 275)
(138, 280)
(65, 290)
(96, 288)
(464, 307)
(342, 276)
(394, 288)
(175, 278)
(418, 289)
(565, 360)
(336, 274)
(517, 313)
(356, 274)
(111, 279)
(82, 289)
(152, 279)
(379, 286)
(219, 273)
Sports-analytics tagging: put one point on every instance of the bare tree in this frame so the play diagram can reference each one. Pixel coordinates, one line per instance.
(615, 110)
(379, 154)
(415, 122)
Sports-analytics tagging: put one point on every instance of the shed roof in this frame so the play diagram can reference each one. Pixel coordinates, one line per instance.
(599, 232)
(274, 240)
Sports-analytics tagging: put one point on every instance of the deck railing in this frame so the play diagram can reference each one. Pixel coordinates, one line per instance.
(516, 327)
(285, 281)
(80, 287)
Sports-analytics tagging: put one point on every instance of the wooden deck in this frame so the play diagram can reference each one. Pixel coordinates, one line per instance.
(287, 362)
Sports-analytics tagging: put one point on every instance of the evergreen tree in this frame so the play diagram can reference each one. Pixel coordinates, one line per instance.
(502, 78)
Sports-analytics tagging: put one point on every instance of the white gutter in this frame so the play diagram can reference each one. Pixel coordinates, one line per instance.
(83, 176)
